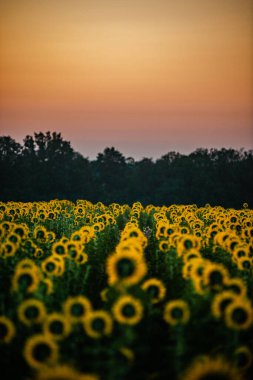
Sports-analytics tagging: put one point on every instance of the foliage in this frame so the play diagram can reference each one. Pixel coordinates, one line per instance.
(46, 167)
(89, 291)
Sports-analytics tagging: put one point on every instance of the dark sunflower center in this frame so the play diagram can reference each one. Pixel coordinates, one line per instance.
(246, 264)
(25, 280)
(224, 303)
(32, 249)
(215, 277)
(188, 244)
(56, 327)
(240, 253)
(98, 324)
(13, 239)
(239, 315)
(236, 289)
(153, 291)
(242, 360)
(73, 253)
(50, 267)
(128, 310)
(60, 250)
(77, 310)
(177, 313)
(31, 312)
(125, 267)
(233, 244)
(3, 330)
(41, 352)
(9, 248)
(40, 234)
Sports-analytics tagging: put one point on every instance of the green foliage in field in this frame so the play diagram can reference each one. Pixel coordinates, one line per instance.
(89, 291)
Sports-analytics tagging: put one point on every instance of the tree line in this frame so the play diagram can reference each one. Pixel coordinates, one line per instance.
(46, 167)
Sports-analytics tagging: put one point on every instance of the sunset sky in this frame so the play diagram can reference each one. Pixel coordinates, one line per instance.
(145, 76)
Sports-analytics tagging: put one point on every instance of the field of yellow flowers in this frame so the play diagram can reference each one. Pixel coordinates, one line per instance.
(89, 291)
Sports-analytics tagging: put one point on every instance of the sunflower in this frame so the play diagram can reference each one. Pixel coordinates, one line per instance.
(130, 245)
(30, 246)
(184, 230)
(127, 268)
(21, 230)
(9, 249)
(77, 308)
(53, 265)
(73, 249)
(49, 285)
(197, 270)
(59, 248)
(244, 263)
(82, 258)
(57, 325)
(236, 285)
(26, 263)
(243, 357)
(7, 226)
(174, 238)
(31, 311)
(191, 254)
(239, 315)
(186, 243)
(26, 279)
(104, 294)
(211, 369)
(164, 245)
(40, 234)
(161, 229)
(214, 276)
(127, 310)
(14, 238)
(187, 268)
(155, 289)
(134, 231)
(63, 372)
(50, 236)
(240, 251)
(40, 351)
(7, 329)
(176, 312)
(98, 324)
(221, 301)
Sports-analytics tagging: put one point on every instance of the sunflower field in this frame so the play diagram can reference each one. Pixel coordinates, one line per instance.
(96, 292)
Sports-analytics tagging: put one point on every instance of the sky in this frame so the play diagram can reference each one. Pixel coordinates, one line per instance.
(146, 77)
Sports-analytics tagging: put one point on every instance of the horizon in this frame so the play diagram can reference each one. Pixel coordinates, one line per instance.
(94, 155)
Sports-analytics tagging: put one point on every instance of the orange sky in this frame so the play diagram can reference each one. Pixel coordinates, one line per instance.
(145, 76)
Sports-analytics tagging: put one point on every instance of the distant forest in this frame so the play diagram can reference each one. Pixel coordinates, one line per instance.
(46, 167)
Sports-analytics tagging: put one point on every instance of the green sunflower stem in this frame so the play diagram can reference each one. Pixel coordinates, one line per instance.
(179, 349)
(235, 340)
(86, 275)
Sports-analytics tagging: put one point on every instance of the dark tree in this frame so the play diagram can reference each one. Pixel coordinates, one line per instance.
(46, 167)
